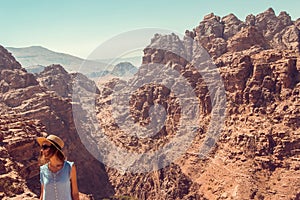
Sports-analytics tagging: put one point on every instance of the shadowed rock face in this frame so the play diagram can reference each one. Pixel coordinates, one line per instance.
(257, 152)
(12, 75)
(8, 61)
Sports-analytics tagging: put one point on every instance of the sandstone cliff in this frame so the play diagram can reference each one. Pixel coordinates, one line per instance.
(264, 31)
(24, 99)
(257, 154)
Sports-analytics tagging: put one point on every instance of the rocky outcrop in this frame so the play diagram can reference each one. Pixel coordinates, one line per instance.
(288, 38)
(29, 100)
(269, 24)
(218, 36)
(257, 154)
(7, 60)
(259, 142)
(247, 38)
(261, 78)
(124, 69)
(156, 53)
(12, 76)
(55, 78)
(232, 25)
(19, 152)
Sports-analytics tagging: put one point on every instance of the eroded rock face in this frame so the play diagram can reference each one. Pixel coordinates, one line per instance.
(259, 141)
(257, 152)
(25, 98)
(55, 78)
(288, 38)
(12, 76)
(245, 39)
(232, 25)
(19, 152)
(270, 24)
(7, 60)
(267, 30)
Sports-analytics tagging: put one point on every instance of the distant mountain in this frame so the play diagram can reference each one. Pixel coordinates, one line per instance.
(124, 69)
(36, 56)
(35, 69)
(135, 60)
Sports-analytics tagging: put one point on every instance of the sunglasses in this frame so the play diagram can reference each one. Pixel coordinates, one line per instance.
(44, 146)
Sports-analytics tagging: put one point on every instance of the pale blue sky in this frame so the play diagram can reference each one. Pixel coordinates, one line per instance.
(77, 27)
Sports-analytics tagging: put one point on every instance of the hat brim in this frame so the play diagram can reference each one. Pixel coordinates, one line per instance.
(41, 140)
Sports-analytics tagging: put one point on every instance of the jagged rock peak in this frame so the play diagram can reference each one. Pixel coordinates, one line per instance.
(269, 24)
(297, 23)
(164, 48)
(7, 61)
(230, 17)
(285, 18)
(219, 36)
(57, 79)
(12, 75)
(232, 25)
(250, 20)
(54, 69)
(215, 35)
(211, 25)
(171, 43)
(158, 38)
(211, 16)
(270, 10)
(266, 15)
(270, 13)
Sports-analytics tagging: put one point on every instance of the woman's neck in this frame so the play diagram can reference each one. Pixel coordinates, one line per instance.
(55, 164)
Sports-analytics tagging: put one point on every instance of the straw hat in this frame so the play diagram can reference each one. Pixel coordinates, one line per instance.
(56, 141)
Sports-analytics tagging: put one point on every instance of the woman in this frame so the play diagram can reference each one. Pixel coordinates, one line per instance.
(57, 175)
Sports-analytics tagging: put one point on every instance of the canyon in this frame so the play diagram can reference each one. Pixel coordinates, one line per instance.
(255, 156)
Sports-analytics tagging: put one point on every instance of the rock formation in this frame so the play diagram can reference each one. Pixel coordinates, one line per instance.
(55, 78)
(216, 34)
(124, 69)
(256, 155)
(24, 99)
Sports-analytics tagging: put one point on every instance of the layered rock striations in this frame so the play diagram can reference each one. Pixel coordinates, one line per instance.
(44, 101)
(19, 154)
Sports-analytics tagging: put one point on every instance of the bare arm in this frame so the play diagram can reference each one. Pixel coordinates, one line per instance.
(74, 187)
(42, 189)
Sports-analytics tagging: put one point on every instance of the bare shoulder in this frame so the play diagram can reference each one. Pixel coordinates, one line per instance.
(73, 171)
(73, 166)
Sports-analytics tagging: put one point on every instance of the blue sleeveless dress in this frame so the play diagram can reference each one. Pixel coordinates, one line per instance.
(57, 186)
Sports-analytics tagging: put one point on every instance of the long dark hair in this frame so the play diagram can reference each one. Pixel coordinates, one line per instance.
(52, 151)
